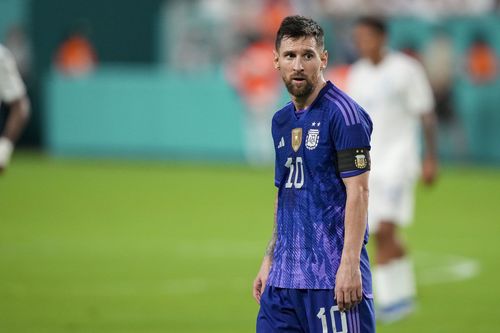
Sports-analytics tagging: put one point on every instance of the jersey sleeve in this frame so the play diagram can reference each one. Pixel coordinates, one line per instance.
(11, 84)
(351, 140)
(419, 94)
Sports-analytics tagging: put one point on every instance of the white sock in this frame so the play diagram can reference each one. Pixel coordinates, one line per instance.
(6, 148)
(394, 282)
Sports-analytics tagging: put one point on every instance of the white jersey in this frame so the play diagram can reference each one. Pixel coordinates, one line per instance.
(395, 93)
(11, 84)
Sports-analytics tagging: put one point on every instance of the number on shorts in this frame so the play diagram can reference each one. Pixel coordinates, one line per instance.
(322, 316)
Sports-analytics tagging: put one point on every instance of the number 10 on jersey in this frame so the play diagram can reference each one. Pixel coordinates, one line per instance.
(296, 175)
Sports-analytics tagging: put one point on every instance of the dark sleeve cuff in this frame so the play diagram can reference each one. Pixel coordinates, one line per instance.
(353, 160)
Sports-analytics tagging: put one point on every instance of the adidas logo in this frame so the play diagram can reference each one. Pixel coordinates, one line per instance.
(282, 143)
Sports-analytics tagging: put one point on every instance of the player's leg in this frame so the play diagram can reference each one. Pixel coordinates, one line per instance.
(393, 277)
(276, 313)
(318, 313)
(388, 245)
(394, 281)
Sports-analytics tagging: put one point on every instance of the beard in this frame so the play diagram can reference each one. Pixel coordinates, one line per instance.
(303, 91)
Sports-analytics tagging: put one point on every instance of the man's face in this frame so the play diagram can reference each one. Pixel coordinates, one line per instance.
(368, 41)
(300, 62)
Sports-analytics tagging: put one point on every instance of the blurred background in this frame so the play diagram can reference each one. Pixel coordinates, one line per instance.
(140, 197)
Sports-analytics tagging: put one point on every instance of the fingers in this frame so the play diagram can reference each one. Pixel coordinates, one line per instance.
(359, 295)
(356, 298)
(256, 290)
(259, 285)
(339, 296)
(348, 299)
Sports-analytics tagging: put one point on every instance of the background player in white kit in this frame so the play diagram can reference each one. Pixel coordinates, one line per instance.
(394, 90)
(13, 93)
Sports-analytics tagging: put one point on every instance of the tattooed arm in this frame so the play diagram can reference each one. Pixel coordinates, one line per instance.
(272, 244)
(259, 284)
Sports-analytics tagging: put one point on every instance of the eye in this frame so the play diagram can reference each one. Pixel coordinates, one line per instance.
(289, 56)
(309, 56)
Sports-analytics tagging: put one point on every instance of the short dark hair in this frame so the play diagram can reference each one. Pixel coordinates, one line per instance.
(376, 23)
(298, 26)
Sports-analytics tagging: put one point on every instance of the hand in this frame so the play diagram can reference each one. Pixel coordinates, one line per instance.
(259, 284)
(348, 285)
(429, 170)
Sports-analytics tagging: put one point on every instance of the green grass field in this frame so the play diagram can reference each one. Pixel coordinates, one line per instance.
(89, 246)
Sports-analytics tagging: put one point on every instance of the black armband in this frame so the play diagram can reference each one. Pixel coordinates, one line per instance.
(353, 159)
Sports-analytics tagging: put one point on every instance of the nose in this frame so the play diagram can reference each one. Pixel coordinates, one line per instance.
(297, 64)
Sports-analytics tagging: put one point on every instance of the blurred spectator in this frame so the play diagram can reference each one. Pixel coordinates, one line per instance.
(437, 59)
(207, 32)
(194, 52)
(273, 13)
(19, 45)
(481, 61)
(203, 37)
(424, 8)
(253, 75)
(76, 56)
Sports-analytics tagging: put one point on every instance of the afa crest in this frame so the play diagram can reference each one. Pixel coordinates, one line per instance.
(360, 160)
(312, 139)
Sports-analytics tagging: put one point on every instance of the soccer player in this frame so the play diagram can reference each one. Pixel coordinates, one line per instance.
(13, 93)
(393, 88)
(315, 275)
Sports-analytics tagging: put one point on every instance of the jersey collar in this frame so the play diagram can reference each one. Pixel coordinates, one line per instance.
(329, 85)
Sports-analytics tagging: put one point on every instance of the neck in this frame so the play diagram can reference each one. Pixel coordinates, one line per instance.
(377, 57)
(303, 102)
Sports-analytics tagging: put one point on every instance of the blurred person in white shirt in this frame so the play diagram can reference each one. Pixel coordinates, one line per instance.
(13, 94)
(393, 89)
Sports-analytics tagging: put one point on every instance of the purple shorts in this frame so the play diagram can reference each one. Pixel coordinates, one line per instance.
(311, 311)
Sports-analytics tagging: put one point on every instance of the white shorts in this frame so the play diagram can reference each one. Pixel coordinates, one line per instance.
(390, 201)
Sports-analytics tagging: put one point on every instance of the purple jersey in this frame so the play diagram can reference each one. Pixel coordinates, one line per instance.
(312, 195)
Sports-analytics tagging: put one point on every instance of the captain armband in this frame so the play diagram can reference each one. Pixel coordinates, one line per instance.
(353, 159)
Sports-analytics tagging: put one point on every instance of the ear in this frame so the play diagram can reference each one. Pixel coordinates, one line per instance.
(276, 59)
(324, 59)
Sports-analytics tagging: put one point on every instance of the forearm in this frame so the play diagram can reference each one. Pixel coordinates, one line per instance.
(355, 221)
(18, 117)
(272, 242)
(270, 246)
(429, 125)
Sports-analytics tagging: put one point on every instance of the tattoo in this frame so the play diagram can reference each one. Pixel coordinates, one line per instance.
(272, 244)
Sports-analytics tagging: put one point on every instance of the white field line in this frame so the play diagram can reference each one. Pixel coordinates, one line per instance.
(431, 268)
(434, 268)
